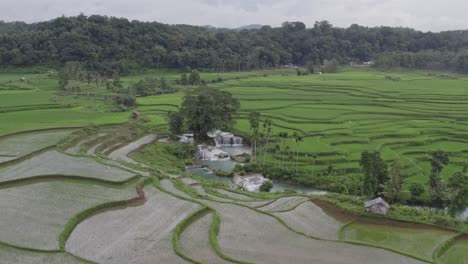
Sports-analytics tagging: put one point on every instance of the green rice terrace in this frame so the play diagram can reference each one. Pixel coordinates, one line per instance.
(82, 183)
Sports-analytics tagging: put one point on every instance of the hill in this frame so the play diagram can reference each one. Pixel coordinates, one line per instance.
(108, 43)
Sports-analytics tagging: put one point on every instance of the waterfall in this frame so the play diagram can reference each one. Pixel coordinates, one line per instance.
(210, 153)
(224, 139)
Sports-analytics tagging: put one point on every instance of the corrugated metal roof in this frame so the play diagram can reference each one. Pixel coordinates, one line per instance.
(376, 201)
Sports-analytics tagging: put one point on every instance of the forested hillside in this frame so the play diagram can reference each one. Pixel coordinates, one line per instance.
(108, 43)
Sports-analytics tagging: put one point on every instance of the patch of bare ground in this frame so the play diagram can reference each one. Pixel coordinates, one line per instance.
(140, 234)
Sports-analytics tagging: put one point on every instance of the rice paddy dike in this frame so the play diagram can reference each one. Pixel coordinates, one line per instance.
(105, 194)
(341, 115)
(119, 208)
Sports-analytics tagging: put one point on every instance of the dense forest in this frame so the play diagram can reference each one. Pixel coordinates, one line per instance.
(107, 43)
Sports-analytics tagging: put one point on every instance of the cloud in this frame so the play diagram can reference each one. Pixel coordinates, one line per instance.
(420, 14)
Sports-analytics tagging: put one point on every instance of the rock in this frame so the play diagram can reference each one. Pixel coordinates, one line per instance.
(223, 155)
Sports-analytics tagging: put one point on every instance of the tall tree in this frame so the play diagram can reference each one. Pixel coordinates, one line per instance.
(254, 120)
(375, 172)
(72, 71)
(267, 127)
(283, 136)
(194, 78)
(176, 123)
(457, 186)
(297, 138)
(392, 188)
(439, 158)
(207, 109)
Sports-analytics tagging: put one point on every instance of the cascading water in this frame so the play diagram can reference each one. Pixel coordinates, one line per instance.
(210, 153)
(224, 139)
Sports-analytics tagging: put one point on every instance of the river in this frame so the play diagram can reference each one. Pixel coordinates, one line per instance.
(228, 164)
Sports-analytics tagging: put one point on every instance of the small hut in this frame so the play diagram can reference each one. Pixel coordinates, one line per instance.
(377, 206)
(135, 114)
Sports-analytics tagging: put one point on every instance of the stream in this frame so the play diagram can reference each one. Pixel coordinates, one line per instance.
(227, 165)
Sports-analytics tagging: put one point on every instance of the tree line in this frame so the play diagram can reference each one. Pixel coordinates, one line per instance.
(106, 44)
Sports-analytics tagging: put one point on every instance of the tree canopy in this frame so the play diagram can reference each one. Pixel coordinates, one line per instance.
(105, 44)
(375, 173)
(206, 109)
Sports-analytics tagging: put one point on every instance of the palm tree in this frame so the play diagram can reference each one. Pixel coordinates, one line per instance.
(277, 150)
(297, 139)
(314, 156)
(267, 126)
(286, 149)
(283, 136)
(254, 120)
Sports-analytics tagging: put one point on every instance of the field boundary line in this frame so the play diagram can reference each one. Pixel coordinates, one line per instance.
(444, 247)
(214, 231)
(182, 226)
(27, 156)
(213, 235)
(343, 227)
(38, 130)
(290, 209)
(60, 177)
(104, 207)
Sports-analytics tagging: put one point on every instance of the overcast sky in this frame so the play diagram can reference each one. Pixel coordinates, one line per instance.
(427, 15)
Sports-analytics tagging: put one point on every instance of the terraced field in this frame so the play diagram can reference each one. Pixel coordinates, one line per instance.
(79, 208)
(341, 115)
(68, 196)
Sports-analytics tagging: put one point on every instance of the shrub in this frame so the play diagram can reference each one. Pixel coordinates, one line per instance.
(331, 66)
(310, 67)
(125, 102)
(266, 186)
(222, 173)
(416, 189)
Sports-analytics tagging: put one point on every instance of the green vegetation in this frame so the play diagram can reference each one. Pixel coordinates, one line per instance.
(205, 109)
(122, 208)
(456, 253)
(266, 186)
(419, 242)
(86, 40)
(310, 130)
(341, 115)
(375, 173)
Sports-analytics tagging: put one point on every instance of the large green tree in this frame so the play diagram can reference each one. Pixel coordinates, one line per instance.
(206, 109)
(439, 158)
(106, 44)
(457, 186)
(375, 173)
(176, 123)
(393, 187)
(254, 120)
